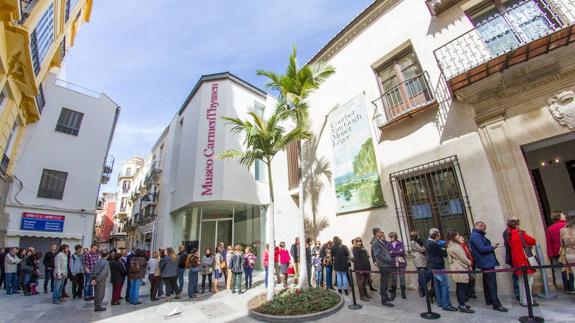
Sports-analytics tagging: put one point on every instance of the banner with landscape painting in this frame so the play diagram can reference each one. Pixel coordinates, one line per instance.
(357, 183)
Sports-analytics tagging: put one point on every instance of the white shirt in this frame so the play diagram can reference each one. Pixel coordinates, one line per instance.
(152, 265)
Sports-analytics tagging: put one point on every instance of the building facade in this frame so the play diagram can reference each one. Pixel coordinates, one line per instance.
(105, 220)
(186, 196)
(58, 173)
(34, 37)
(470, 110)
(124, 206)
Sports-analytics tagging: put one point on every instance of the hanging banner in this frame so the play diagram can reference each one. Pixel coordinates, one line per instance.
(357, 183)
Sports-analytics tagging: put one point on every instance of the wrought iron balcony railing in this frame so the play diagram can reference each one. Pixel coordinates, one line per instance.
(408, 96)
(503, 33)
(436, 7)
(26, 7)
(4, 164)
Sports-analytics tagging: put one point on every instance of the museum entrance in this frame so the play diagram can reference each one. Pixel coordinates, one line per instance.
(551, 163)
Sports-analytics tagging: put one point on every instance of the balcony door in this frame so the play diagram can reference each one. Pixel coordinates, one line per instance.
(403, 84)
(506, 25)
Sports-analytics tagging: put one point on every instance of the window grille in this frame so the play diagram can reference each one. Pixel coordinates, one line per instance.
(52, 184)
(69, 121)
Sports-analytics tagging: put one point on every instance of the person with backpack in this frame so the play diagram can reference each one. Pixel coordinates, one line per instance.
(237, 266)
(182, 257)
(193, 264)
(249, 262)
(136, 273)
(169, 273)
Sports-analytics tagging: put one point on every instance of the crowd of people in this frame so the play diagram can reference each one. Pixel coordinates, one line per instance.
(328, 266)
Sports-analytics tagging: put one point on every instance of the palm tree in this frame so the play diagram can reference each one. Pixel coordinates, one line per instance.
(294, 88)
(263, 140)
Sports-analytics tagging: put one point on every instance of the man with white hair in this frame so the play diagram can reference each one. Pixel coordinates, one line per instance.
(435, 254)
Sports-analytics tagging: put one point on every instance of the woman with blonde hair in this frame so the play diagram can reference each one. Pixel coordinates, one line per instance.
(169, 273)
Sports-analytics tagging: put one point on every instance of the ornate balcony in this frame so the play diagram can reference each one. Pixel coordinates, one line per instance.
(407, 98)
(526, 30)
(436, 7)
(4, 164)
(26, 7)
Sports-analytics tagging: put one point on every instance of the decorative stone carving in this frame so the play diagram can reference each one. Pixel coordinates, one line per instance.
(562, 108)
(17, 68)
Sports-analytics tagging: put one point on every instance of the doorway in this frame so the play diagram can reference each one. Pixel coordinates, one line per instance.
(214, 231)
(550, 164)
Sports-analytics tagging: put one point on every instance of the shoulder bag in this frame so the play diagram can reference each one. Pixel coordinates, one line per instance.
(528, 251)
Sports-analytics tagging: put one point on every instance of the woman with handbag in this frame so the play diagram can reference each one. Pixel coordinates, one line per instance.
(521, 255)
(459, 261)
(194, 266)
(567, 252)
(341, 264)
(207, 269)
(397, 250)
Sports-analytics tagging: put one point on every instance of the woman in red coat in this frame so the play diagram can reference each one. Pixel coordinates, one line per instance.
(519, 259)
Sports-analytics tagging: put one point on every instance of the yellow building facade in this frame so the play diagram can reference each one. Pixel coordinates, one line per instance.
(34, 37)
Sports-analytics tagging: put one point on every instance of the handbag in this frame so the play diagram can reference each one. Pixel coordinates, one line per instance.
(223, 265)
(528, 251)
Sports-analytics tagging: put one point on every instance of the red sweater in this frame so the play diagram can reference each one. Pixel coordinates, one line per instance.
(553, 238)
(518, 257)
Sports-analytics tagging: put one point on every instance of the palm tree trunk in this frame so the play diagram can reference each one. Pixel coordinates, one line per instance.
(302, 257)
(271, 236)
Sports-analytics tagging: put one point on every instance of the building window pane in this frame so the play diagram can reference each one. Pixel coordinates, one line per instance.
(431, 196)
(42, 38)
(52, 184)
(260, 170)
(69, 122)
(259, 109)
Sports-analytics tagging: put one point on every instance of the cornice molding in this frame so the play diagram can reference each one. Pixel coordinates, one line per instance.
(354, 28)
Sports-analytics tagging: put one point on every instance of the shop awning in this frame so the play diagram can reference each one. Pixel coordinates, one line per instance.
(41, 234)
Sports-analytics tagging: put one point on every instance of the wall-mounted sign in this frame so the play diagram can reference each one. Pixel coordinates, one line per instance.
(357, 184)
(42, 222)
(209, 150)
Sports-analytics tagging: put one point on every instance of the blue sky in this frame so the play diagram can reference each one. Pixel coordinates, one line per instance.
(148, 54)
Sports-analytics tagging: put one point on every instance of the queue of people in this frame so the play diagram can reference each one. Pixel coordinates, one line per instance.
(328, 264)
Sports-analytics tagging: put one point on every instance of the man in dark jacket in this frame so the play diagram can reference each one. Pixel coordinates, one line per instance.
(2, 257)
(435, 254)
(382, 259)
(308, 243)
(49, 268)
(294, 252)
(484, 254)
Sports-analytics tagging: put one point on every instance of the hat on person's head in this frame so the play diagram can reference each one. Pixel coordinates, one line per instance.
(375, 230)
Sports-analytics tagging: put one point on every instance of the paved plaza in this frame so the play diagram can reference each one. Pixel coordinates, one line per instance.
(227, 307)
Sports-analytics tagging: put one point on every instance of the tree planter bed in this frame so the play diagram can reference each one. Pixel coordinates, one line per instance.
(294, 305)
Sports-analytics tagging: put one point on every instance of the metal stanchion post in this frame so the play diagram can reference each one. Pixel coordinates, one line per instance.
(530, 318)
(353, 306)
(429, 315)
(547, 295)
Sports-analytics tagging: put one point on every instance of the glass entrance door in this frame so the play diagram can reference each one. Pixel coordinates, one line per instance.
(214, 232)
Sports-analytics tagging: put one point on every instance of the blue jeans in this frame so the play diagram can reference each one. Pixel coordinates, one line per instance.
(318, 278)
(48, 276)
(329, 276)
(11, 283)
(88, 288)
(27, 280)
(248, 272)
(342, 281)
(135, 290)
(515, 285)
(266, 279)
(441, 287)
(192, 283)
(181, 272)
(57, 292)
